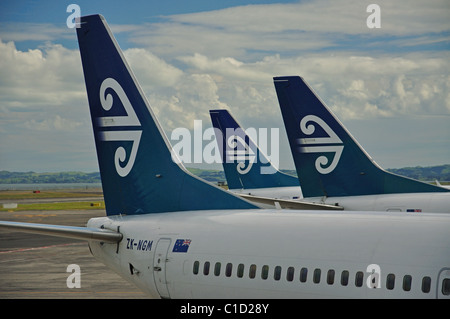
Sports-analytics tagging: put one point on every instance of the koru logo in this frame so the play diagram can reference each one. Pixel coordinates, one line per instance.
(240, 151)
(107, 122)
(330, 144)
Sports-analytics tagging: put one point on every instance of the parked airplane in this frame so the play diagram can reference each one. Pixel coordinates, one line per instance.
(243, 164)
(249, 172)
(334, 169)
(175, 236)
(246, 167)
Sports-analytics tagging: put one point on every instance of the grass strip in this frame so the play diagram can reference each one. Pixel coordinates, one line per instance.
(14, 195)
(57, 206)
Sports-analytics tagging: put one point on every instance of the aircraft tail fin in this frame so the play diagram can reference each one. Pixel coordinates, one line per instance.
(244, 164)
(137, 172)
(329, 161)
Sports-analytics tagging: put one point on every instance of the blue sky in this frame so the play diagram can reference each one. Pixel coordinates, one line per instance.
(121, 12)
(390, 86)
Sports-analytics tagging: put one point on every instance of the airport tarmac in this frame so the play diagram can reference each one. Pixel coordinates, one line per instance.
(35, 266)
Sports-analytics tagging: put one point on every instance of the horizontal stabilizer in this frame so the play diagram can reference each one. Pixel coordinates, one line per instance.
(290, 204)
(82, 233)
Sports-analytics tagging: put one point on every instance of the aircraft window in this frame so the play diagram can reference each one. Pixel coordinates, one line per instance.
(206, 268)
(195, 268)
(277, 273)
(228, 269)
(407, 279)
(426, 284)
(344, 278)
(359, 279)
(303, 274)
(316, 276)
(217, 269)
(330, 277)
(252, 271)
(390, 281)
(446, 287)
(240, 270)
(290, 274)
(265, 272)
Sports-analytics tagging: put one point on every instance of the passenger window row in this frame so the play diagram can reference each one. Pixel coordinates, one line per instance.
(331, 275)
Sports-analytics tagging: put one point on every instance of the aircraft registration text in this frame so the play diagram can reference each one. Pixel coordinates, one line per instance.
(139, 244)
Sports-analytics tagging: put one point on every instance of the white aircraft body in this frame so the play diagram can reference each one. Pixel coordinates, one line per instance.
(332, 189)
(175, 236)
(409, 203)
(282, 254)
(334, 169)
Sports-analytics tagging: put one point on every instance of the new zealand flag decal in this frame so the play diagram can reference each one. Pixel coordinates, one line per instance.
(181, 246)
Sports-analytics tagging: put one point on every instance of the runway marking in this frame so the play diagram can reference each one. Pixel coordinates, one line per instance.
(35, 215)
(37, 248)
(74, 292)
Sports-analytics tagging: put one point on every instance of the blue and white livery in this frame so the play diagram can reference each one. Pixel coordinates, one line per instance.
(174, 236)
(333, 168)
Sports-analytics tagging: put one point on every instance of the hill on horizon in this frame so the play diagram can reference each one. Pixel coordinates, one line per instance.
(429, 174)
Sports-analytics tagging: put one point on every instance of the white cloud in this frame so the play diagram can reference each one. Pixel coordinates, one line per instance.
(43, 108)
(151, 69)
(53, 124)
(45, 90)
(355, 86)
(245, 31)
(227, 67)
(48, 76)
(191, 99)
(189, 64)
(24, 31)
(349, 17)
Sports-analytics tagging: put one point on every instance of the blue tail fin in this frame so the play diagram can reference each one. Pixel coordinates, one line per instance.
(244, 164)
(328, 159)
(138, 175)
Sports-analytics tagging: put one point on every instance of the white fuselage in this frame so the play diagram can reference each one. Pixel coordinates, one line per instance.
(412, 202)
(409, 202)
(281, 254)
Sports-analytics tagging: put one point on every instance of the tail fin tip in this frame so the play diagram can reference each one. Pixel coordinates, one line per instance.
(136, 167)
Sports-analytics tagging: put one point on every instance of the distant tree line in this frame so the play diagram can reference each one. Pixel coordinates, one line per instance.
(430, 173)
(35, 178)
